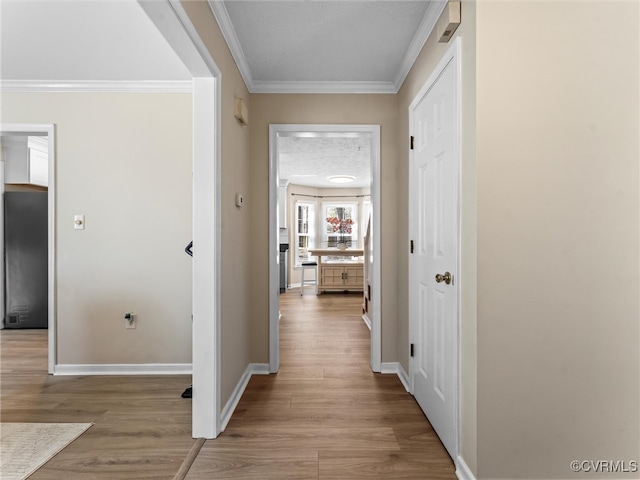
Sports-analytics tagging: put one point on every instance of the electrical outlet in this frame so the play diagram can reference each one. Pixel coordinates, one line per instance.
(130, 320)
(78, 222)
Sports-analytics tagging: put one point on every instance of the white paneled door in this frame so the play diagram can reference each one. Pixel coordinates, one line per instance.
(434, 262)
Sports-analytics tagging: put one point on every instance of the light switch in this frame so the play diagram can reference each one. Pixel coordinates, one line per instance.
(78, 222)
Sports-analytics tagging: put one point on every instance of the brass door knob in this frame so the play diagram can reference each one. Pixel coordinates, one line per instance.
(446, 278)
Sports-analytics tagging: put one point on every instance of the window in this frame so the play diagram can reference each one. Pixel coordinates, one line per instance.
(340, 224)
(305, 231)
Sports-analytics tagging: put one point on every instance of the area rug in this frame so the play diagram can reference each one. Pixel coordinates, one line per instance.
(25, 447)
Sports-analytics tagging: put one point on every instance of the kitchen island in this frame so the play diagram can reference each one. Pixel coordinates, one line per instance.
(339, 269)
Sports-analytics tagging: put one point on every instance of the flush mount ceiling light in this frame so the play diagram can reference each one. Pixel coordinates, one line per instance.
(341, 179)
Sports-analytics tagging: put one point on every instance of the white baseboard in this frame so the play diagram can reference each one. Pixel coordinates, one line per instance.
(125, 369)
(395, 367)
(389, 367)
(367, 320)
(229, 408)
(404, 378)
(463, 472)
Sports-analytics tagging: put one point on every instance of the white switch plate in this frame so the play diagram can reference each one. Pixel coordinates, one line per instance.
(78, 222)
(130, 322)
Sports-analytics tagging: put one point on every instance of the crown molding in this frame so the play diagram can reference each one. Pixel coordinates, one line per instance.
(324, 87)
(419, 39)
(257, 86)
(229, 33)
(90, 86)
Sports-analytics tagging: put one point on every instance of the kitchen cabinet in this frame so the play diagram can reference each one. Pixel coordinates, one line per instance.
(341, 276)
(26, 160)
(339, 269)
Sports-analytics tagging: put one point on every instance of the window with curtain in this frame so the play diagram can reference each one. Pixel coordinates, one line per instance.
(305, 231)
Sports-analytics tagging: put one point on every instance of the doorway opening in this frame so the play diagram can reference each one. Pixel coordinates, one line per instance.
(171, 19)
(314, 204)
(30, 151)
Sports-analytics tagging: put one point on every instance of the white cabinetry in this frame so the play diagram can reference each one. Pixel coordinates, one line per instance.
(26, 160)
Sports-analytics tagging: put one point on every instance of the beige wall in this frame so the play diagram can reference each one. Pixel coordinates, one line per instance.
(429, 57)
(322, 109)
(237, 241)
(558, 219)
(549, 212)
(123, 160)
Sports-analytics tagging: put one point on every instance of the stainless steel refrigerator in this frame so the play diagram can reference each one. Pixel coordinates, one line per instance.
(26, 266)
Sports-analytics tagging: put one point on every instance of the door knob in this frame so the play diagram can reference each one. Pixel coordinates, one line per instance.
(446, 278)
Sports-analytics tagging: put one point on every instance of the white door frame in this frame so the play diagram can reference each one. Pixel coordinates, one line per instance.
(453, 54)
(49, 130)
(173, 22)
(274, 288)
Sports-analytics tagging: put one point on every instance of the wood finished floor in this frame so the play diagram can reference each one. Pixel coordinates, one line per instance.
(325, 415)
(142, 428)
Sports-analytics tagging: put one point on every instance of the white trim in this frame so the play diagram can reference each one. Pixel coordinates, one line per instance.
(404, 378)
(274, 255)
(90, 86)
(50, 130)
(323, 87)
(232, 403)
(206, 264)
(125, 369)
(419, 39)
(463, 472)
(52, 334)
(453, 54)
(257, 86)
(276, 130)
(173, 22)
(221, 15)
(367, 321)
(396, 368)
(376, 275)
(387, 368)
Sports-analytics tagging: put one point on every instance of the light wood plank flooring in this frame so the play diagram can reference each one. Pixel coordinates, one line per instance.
(325, 415)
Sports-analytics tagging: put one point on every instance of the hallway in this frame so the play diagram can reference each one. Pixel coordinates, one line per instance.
(325, 414)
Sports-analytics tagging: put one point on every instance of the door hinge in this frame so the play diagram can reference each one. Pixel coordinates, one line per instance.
(411, 246)
(412, 349)
(411, 142)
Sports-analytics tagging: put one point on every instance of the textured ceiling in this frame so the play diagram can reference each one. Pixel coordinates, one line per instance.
(310, 161)
(97, 40)
(320, 46)
(326, 45)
